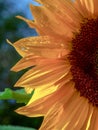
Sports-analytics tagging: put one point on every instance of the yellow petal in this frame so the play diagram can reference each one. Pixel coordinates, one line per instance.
(44, 90)
(89, 5)
(56, 24)
(44, 74)
(39, 106)
(28, 61)
(93, 122)
(41, 46)
(68, 116)
(28, 90)
(39, 103)
(88, 118)
(50, 22)
(95, 7)
(80, 8)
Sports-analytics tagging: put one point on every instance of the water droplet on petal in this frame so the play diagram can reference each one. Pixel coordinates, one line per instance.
(23, 48)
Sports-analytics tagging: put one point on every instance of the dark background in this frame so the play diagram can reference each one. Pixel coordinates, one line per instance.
(13, 29)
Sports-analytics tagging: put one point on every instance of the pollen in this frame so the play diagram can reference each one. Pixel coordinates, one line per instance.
(84, 60)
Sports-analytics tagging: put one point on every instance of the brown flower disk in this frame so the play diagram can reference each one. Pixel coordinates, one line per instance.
(84, 60)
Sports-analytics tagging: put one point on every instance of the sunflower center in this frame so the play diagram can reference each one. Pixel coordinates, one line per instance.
(84, 60)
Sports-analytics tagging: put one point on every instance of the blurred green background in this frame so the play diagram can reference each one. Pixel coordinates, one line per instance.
(13, 29)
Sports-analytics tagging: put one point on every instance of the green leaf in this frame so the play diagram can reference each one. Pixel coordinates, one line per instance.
(19, 95)
(15, 128)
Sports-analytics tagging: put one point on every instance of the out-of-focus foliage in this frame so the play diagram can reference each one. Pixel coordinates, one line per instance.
(14, 128)
(20, 96)
(9, 117)
(13, 29)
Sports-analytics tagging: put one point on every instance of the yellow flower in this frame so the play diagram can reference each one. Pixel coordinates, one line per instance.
(64, 64)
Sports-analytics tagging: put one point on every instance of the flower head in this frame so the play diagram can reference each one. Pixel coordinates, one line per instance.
(64, 64)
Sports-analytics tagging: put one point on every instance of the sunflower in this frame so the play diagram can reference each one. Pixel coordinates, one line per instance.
(63, 61)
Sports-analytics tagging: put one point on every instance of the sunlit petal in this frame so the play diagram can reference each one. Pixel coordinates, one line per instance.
(41, 46)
